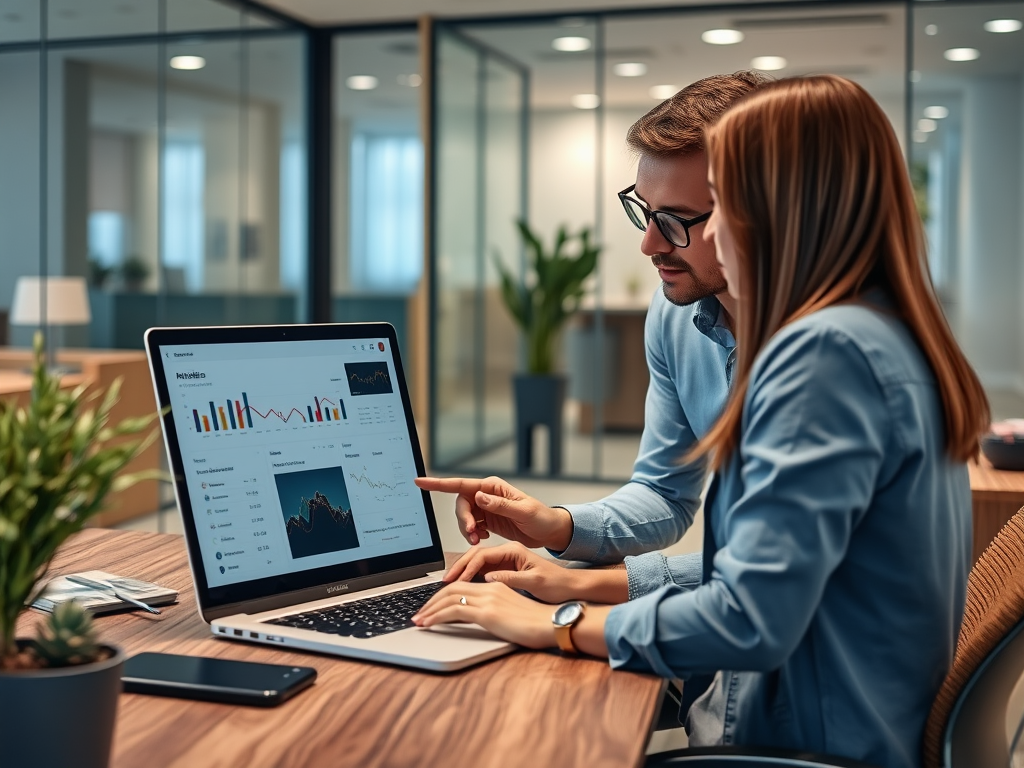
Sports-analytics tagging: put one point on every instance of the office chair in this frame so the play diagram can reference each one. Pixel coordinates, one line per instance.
(976, 718)
(742, 757)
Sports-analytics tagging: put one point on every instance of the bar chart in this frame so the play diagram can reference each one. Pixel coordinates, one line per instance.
(238, 414)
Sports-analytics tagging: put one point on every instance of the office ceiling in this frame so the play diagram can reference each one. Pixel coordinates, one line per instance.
(350, 11)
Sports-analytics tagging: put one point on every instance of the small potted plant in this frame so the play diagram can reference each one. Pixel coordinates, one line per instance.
(99, 272)
(134, 272)
(59, 458)
(540, 302)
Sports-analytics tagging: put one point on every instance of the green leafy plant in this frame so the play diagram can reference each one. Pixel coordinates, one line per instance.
(549, 292)
(99, 273)
(134, 271)
(59, 458)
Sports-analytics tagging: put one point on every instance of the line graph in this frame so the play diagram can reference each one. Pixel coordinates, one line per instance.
(380, 489)
(368, 378)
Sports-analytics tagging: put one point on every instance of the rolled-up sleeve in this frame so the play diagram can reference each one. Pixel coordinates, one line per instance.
(815, 430)
(646, 573)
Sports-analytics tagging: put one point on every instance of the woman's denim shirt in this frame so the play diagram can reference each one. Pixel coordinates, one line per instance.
(838, 554)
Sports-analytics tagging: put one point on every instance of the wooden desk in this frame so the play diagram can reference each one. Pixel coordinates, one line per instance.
(529, 709)
(996, 495)
(99, 368)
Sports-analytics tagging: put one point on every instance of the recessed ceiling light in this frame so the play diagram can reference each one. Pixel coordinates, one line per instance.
(768, 63)
(361, 82)
(1003, 25)
(662, 92)
(630, 69)
(586, 101)
(571, 44)
(926, 126)
(920, 137)
(187, 62)
(962, 54)
(936, 113)
(413, 81)
(931, 29)
(722, 36)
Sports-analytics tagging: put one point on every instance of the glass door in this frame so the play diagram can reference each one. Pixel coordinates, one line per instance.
(479, 147)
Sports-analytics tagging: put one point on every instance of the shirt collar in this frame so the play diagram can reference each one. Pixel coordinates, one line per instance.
(709, 319)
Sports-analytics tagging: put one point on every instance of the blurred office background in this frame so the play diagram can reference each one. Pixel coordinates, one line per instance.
(208, 162)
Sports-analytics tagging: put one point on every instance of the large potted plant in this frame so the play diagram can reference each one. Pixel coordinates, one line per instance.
(540, 302)
(59, 458)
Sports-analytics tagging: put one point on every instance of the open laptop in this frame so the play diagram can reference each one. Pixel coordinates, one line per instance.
(294, 450)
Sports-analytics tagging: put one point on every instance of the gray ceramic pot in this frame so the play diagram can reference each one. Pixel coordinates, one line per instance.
(539, 399)
(55, 718)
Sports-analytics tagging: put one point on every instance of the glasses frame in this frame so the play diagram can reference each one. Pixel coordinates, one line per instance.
(658, 217)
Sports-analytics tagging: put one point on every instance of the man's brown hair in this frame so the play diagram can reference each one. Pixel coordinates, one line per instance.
(676, 126)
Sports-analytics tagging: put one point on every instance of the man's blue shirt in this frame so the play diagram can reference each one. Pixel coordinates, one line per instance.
(689, 354)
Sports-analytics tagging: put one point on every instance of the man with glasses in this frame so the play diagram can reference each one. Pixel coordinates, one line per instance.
(690, 353)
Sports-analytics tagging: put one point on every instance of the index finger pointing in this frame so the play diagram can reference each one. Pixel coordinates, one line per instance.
(460, 485)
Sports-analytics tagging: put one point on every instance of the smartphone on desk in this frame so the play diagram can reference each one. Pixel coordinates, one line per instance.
(206, 679)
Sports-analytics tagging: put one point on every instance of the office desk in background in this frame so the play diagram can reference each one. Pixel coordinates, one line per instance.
(996, 495)
(99, 368)
(529, 709)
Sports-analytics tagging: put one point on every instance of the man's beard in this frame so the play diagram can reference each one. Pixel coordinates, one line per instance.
(699, 288)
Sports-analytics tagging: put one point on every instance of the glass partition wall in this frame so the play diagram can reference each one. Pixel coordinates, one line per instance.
(478, 193)
(590, 78)
(967, 164)
(157, 150)
(377, 200)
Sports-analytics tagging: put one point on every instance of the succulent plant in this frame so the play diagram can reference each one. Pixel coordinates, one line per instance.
(68, 637)
(59, 458)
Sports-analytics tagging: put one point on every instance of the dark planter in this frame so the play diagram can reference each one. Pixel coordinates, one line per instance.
(540, 399)
(55, 718)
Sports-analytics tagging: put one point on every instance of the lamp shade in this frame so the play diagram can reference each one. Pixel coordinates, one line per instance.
(67, 301)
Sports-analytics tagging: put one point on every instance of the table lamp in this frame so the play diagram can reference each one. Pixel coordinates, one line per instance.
(66, 303)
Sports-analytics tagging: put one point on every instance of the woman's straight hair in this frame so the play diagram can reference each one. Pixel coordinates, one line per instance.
(813, 187)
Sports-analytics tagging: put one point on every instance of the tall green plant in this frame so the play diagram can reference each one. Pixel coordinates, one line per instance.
(57, 465)
(549, 292)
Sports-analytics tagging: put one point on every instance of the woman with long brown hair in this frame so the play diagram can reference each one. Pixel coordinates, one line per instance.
(837, 539)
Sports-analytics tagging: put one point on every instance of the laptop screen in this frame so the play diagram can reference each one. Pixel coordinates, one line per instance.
(295, 456)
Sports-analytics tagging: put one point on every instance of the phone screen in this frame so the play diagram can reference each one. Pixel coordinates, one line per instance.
(214, 679)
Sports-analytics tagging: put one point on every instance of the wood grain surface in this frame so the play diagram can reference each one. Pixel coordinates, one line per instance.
(527, 709)
(996, 495)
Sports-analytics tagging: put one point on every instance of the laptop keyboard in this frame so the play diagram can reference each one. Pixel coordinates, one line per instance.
(369, 617)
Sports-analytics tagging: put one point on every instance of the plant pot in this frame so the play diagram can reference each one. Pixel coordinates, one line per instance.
(55, 718)
(540, 399)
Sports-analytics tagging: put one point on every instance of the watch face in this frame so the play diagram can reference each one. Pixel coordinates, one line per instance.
(568, 613)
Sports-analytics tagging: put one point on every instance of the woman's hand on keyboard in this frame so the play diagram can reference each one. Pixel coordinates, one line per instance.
(517, 567)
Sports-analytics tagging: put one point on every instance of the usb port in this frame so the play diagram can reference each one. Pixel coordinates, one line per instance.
(238, 633)
(254, 636)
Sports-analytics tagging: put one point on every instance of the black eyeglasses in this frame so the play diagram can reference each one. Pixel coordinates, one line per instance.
(675, 229)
